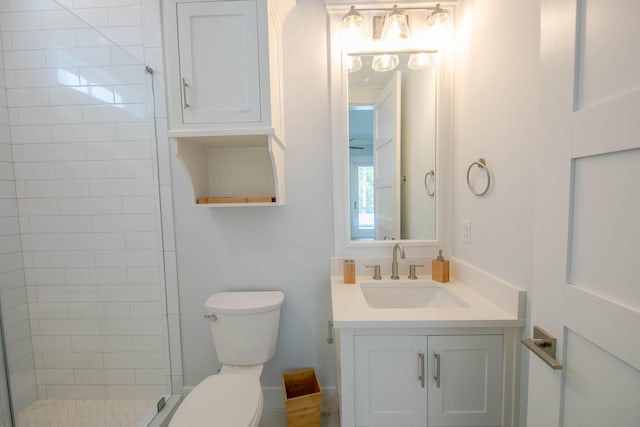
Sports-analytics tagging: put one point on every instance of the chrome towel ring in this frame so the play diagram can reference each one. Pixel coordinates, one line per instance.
(430, 178)
(481, 164)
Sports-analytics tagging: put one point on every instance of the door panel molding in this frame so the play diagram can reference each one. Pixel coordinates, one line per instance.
(607, 127)
(599, 319)
(569, 131)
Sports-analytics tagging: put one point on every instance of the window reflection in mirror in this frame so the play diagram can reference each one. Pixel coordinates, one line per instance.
(392, 151)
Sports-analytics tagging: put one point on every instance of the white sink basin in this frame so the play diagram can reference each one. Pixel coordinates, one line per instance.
(406, 293)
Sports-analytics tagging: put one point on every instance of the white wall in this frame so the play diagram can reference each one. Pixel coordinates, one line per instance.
(496, 92)
(496, 118)
(285, 248)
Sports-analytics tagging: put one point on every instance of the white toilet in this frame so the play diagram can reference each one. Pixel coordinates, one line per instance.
(245, 331)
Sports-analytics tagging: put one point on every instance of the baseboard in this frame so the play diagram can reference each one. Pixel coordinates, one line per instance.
(274, 398)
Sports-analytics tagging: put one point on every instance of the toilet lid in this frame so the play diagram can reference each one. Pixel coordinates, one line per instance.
(244, 302)
(221, 400)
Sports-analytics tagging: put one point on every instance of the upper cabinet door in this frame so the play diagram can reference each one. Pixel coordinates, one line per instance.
(219, 62)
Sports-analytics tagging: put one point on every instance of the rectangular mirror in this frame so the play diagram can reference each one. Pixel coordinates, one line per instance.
(392, 145)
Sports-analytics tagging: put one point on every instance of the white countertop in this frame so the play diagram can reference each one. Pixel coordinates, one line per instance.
(350, 310)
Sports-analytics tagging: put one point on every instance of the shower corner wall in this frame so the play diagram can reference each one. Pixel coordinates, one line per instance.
(14, 314)
(88, 280)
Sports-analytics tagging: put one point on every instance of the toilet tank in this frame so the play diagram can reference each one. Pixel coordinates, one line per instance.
(245, 325)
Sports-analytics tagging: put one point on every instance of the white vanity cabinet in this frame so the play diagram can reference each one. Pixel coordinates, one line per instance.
(431, 365)
(465, 380)
(388, 391)
(425, 380)
(224, 86)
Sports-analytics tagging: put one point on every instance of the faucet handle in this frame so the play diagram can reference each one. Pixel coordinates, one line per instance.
(376, 271)
(412, 271)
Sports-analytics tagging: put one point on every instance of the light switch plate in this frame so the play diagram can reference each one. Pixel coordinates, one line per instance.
(466, 231)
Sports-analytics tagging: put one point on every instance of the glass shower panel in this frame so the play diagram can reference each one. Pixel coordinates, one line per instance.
(85, 160)
(5, 402)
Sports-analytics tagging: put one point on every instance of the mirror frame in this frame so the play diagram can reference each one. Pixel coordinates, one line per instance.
(338, 88)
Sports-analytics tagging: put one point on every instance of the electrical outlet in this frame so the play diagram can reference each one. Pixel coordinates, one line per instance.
(466, 231)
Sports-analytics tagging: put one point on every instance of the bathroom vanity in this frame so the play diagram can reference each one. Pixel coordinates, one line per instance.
(409, 352)
(421, 353)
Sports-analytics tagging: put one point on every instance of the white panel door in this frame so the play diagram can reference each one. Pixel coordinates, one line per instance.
(386, 159)
(465, 381)
(586, 289)
(389, 379)
(218, 48)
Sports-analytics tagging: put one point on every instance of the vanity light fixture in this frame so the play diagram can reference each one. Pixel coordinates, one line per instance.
(354, 35)
(395, 20)
(437, 16)
(396, 25)
(352, 19)
(390, 27)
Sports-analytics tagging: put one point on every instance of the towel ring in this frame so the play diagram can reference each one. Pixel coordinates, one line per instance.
(430, 177)
(482, 164)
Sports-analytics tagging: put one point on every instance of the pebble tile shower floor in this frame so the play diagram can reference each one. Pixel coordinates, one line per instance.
(85, 413)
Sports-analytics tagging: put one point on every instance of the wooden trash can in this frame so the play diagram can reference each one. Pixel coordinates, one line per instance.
(302, 397)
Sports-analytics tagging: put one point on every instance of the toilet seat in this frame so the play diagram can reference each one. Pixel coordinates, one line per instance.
(228, 400)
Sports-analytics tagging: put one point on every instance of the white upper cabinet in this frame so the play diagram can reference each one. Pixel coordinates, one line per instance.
(220, 81)
(224, 66)
(224, 88)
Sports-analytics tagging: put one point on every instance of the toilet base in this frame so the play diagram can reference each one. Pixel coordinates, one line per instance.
(228, 400)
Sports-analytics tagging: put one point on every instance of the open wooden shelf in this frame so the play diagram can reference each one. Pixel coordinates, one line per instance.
(234, 170)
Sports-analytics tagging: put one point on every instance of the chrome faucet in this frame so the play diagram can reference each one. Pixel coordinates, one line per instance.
(394, 265)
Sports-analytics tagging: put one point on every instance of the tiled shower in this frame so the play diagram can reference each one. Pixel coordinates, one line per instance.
(87, 254)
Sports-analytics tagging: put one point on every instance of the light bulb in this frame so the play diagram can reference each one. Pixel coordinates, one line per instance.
(438, 16)
(352, 19)
(395, 25)
(384, 62)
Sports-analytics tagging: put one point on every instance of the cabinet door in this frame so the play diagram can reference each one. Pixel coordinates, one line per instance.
(465, 380)
(219, 72)
(388, 387)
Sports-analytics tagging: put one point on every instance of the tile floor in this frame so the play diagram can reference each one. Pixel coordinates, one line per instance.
(122, 413)
(279, 419)
(85, 413)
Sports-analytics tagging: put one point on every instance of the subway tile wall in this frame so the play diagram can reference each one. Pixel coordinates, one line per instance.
(13, 294)
(92, 190)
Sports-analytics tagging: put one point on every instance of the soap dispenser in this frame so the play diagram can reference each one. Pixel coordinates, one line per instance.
(440, 269)
(349, 271)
